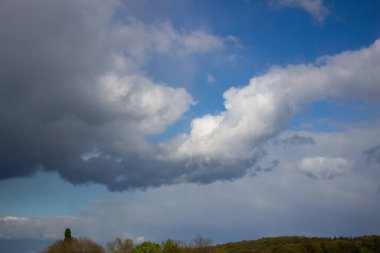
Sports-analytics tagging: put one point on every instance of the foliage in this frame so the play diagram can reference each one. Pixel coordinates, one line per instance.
(171, 246)
(120, 246)
(68, 234)
(147, 247)
(202, 245)
(75, 245)
(290, 244)
(295, 244)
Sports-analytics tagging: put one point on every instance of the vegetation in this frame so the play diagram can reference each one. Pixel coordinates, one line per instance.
(75, 245)
(147, 247)
(293, 244)
(68, 235)
(120, 246)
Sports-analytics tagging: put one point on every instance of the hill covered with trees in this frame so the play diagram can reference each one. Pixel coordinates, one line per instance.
(296, 244)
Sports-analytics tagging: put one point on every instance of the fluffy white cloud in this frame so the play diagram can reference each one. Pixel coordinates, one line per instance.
(152, 106)
(314, 7)
(324, 167)
(261, 109)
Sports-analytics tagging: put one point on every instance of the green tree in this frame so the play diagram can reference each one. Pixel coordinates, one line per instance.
(147, 247)
(68, 235)
(76, 245)
(120, 246)
(171, 246)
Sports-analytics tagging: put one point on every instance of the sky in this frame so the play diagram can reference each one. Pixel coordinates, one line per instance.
(150, 120)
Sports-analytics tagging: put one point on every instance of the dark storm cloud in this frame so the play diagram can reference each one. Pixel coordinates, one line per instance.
(55, 116)
(52, 52)
(49, 52)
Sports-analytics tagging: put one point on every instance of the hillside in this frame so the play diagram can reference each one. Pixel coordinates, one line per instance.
(295, 244)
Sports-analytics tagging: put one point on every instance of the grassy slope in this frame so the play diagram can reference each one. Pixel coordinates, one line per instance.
(294, 244)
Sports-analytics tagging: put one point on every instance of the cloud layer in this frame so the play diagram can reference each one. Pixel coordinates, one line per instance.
(75, 98)
(340, 188)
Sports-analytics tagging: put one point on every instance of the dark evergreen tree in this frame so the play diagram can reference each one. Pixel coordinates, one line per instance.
(68, 235)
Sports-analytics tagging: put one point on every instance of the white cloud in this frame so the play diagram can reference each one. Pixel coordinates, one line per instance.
(333, 155)
(140, 239)
(13, 219)
(139, 40)
(261, 109)
(153, 106)
(314, 7)
(324, 167)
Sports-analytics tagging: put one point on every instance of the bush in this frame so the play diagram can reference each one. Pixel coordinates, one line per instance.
(171, 246)
(147, 247)
(80, 245)
(120, 246)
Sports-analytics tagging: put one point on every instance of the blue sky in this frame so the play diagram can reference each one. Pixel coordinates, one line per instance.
(168, 119)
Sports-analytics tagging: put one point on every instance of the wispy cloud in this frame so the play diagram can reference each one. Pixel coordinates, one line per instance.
(315, 8)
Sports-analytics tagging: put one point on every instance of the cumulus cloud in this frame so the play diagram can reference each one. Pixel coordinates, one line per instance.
(258, 111)
(74, 95)
(324, 167)
(314, 7)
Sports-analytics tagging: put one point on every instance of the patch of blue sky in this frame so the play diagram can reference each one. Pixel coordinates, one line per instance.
(268, 38)
(280, 36)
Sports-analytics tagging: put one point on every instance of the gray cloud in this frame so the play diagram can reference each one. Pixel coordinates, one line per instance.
(282, 202)
(74, 98)
(295, 140)
(373, 154)
(277, 203)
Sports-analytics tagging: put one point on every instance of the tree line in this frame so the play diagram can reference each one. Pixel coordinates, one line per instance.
(84, 245)
(289, 244)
